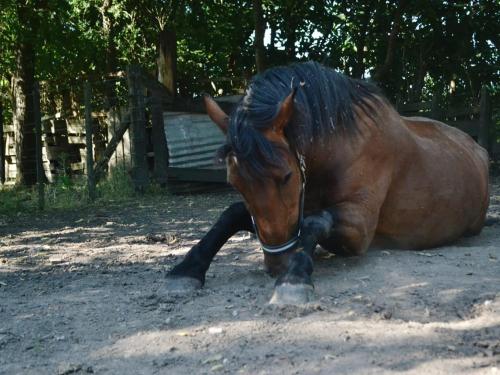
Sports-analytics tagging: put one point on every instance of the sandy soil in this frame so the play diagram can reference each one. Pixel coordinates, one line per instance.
(81, 292)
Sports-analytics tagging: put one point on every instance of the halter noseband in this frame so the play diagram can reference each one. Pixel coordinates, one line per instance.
(292, 242)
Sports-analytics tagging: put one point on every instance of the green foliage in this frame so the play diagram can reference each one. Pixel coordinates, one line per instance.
(433, 43)
(214, 41)
(117, 186)
(69, 193)
(443, 40)
(13, 201)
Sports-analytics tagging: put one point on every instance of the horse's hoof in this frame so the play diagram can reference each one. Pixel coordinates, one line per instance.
(292, 294)
(181, 285)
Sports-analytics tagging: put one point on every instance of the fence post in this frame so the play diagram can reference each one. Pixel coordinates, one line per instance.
(140, 173)
(111, 148)
(88, 140)
(2, 148)
(38, 146)
(159, 141)
(484, 119)
(435, 107)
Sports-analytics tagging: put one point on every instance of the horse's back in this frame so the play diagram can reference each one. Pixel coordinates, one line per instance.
(447, 138)
(437, 132)
(440, 187)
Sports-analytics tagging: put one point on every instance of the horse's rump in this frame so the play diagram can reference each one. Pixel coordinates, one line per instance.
(440, 187)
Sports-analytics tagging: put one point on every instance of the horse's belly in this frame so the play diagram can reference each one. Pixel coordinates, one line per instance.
(440, 194)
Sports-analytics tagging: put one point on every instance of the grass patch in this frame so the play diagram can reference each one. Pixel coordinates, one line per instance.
(72, 193)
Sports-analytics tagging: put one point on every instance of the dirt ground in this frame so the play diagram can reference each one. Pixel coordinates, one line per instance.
(82, 292)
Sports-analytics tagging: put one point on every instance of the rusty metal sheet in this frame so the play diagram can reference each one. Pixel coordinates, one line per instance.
(192, 141)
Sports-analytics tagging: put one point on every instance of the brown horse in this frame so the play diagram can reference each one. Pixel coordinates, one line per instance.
(320, 158)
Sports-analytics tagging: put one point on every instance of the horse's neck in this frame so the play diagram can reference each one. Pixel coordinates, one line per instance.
(333, 153)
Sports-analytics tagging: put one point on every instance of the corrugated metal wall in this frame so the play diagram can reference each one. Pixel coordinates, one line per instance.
(193, 140)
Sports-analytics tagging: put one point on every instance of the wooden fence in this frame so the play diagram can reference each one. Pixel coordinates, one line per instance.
(476, 119)
(144, 92)
(85, 151)
(2, 143)
(79, 143)
(63, 146)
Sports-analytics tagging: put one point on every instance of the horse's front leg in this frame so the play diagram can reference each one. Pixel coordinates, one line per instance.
(295, 285)
(190, 273)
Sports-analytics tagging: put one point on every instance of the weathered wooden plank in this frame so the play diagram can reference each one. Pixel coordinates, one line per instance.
(140, 174)
(76, 139)
(485, 119)
(469, 126)
(11, 170)
(160, 147)
(121, 155)
(76, 126)
(79, 166)
(111, 147)
(461, 111)
(8, 128)
(197, 174)
(2, 146)
(40, 172)
(91, 181)
(10, 145)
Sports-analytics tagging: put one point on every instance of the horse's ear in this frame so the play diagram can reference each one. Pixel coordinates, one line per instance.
(216, 114)
(285, 112)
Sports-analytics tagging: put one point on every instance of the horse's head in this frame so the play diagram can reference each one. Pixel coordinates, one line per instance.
(264, 168)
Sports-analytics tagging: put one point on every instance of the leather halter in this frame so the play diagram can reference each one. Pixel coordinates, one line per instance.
(293, 241)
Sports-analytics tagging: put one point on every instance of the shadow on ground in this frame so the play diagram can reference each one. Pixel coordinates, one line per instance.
(84, 293)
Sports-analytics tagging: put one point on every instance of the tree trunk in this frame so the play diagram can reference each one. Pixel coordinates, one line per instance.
(109, 31)
(167, 60)
(100, 134)
(418, 85)
(2, 146)
(259, 36)
(140, 173)
(160, 147)
(272, 41)
(291, 38)
(359, 65)
(385, 68)
(22, 99)
(382, 73)
(290, 23)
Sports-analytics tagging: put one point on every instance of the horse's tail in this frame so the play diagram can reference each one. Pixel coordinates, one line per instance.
(490, 221)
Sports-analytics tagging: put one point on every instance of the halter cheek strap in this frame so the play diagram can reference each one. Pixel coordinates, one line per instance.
(293, 241)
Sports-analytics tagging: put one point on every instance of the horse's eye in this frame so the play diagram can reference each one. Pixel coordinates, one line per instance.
(287, 178)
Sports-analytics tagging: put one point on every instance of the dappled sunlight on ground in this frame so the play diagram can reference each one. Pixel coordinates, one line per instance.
(86, 291)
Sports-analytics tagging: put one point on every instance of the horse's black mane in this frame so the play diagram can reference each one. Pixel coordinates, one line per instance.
(324, 103)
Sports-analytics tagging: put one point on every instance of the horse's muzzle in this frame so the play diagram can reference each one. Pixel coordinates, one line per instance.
(276, 264)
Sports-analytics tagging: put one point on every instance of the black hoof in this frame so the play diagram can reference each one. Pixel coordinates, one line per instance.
(292, 294)
(181, 285)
